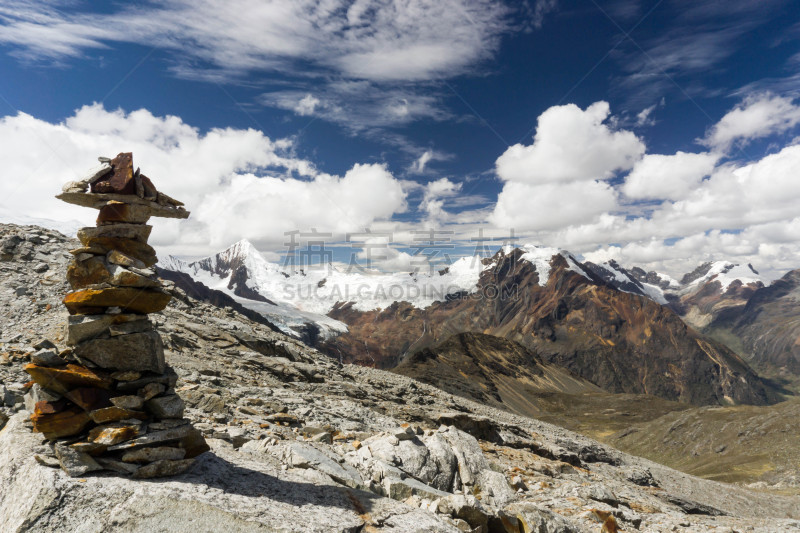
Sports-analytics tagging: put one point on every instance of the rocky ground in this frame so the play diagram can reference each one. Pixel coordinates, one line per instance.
(300, 443)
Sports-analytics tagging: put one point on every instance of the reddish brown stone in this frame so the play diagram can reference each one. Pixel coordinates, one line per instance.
(48, 408)
(65, 379)
(93, 271)
(64, 424)
(88, 398)
(120, 180)
(121, 212)
(115, 414)
(130, 300)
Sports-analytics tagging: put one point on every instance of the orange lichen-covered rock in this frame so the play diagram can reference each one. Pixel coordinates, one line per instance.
(64, 379)
(109, 436)
(93, 271)
(130, 300)
(62, 424)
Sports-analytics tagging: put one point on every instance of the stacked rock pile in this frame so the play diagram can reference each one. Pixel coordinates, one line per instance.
(108, 401)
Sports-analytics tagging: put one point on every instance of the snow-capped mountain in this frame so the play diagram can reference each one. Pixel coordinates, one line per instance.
(697, 296)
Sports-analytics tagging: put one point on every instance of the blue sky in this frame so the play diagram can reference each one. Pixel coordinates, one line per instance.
(432, 108)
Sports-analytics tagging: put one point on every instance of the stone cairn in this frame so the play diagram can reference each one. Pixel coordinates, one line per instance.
(108, 402)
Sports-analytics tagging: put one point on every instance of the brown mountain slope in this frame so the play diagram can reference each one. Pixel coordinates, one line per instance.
(766, 331)
(491, 370)
(618, 341)
(732, 444)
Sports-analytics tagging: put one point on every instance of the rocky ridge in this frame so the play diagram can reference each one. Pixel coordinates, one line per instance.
(300, 443)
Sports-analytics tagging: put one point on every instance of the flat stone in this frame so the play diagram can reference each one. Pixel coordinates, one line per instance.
(47, 358)
(163, 469)
(120, 180)
(118, 258)
(128, 402)
(168, 379)
(92, 271)
(132, 248)
(166, 406)
(126, 375)
(115, 414)
(64, 379)
(136, 232)
(90, 177)
(112, 436)
(92, 448)
(99, 200)
(151, 455)
(122, 212)
(155, 437)
(116, 466)
(122, 277)
(66, 423)
(136, 351)
(83, 327)
(89, 398)
(129, 300)
(75, 463)
(151, 390)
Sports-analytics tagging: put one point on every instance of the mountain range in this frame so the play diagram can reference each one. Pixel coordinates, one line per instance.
(622, 330)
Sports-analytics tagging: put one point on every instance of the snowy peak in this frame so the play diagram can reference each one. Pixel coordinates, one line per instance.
(724, 272)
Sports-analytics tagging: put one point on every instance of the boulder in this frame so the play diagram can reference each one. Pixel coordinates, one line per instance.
(128, 402)
(471, 461)
(129, 300)
(135, 351)
(526, 516)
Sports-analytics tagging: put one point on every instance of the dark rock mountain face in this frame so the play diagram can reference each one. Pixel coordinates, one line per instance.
(491, 370)
(618, 341)
(767, 328)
